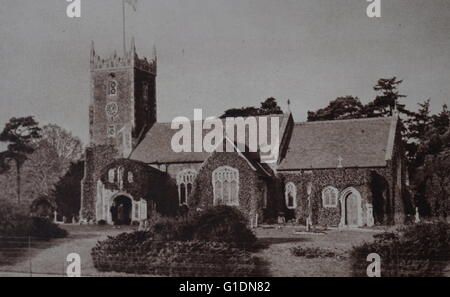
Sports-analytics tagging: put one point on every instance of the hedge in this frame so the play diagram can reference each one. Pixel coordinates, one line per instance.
(139, 254)
(420, 250)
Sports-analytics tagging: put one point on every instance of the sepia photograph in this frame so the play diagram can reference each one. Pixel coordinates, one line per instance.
(224, 144)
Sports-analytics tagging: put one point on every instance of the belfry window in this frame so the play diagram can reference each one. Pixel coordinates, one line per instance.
(225, 182)
(113, 88)
(291, 195)
(185, 180)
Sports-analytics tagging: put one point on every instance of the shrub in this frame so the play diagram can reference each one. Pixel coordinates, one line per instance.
(418, 251)
(43, 228)
(223, 224)
(137, 253)
(218, 224)
(312, 252)
(14, 222)
(201, 244)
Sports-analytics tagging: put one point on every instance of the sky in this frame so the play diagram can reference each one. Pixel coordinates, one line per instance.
(220, 54)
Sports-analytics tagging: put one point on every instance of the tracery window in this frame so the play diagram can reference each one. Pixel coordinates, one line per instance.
(330, 197)
(185, 180)
(226, 186)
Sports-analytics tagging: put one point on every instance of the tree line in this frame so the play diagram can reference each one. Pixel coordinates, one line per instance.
(38, 162)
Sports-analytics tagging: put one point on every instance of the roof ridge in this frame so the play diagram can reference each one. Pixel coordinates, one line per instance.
(345, 120)
(223, 119)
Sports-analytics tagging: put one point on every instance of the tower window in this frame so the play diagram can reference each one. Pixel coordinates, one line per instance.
(111, 131)
(113, 88)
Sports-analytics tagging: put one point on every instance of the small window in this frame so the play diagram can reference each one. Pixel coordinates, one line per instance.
(291, 195)
(330, 197)
(130, 177)
(111, 131)
(113, 87)
(111, 174)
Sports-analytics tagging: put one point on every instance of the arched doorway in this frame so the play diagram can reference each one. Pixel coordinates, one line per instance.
(121, 210)
(351, 212)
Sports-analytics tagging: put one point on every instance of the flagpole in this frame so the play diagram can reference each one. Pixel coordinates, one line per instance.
(124, 37)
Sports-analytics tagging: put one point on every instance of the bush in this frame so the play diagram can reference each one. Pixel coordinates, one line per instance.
(312, 252)
(137, 253)
(14, 222)
(43, 228)
(223, 224)
(201, 244)
(217, 224)
(417, 251)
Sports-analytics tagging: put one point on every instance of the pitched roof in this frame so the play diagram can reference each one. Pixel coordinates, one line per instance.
(156, 147)
(357, 143)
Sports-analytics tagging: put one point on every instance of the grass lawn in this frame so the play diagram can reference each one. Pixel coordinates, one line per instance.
(279, 261)
(49, 258)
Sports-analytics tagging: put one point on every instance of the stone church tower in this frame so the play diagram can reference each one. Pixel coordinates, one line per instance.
(122, 109)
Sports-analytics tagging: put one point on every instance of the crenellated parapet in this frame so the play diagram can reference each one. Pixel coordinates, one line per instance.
(129, 59)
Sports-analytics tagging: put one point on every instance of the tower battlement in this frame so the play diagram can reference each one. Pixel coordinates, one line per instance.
(129, 59)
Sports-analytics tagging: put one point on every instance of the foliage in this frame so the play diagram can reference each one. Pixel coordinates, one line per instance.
(43, 156)
(350, 107)
(67, 192)
(433, 185)
(209, 243)
(430, 166)
(224, 224)
(20, 134)
(138, 253)
(68, 148)
(15, 222)
(220, 224)
(42, 207)
(416, 251)
(387, 99)
(341, 108)
(268, 107)
(312, 252)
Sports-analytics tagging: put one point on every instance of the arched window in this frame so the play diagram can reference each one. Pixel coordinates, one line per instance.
(291, 195)
(113, 88)
(185, 180)
(130, 177)
(226, 186)
(111, 175)
(330, 197)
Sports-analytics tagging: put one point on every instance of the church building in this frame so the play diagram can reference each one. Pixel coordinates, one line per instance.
(343, 173)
